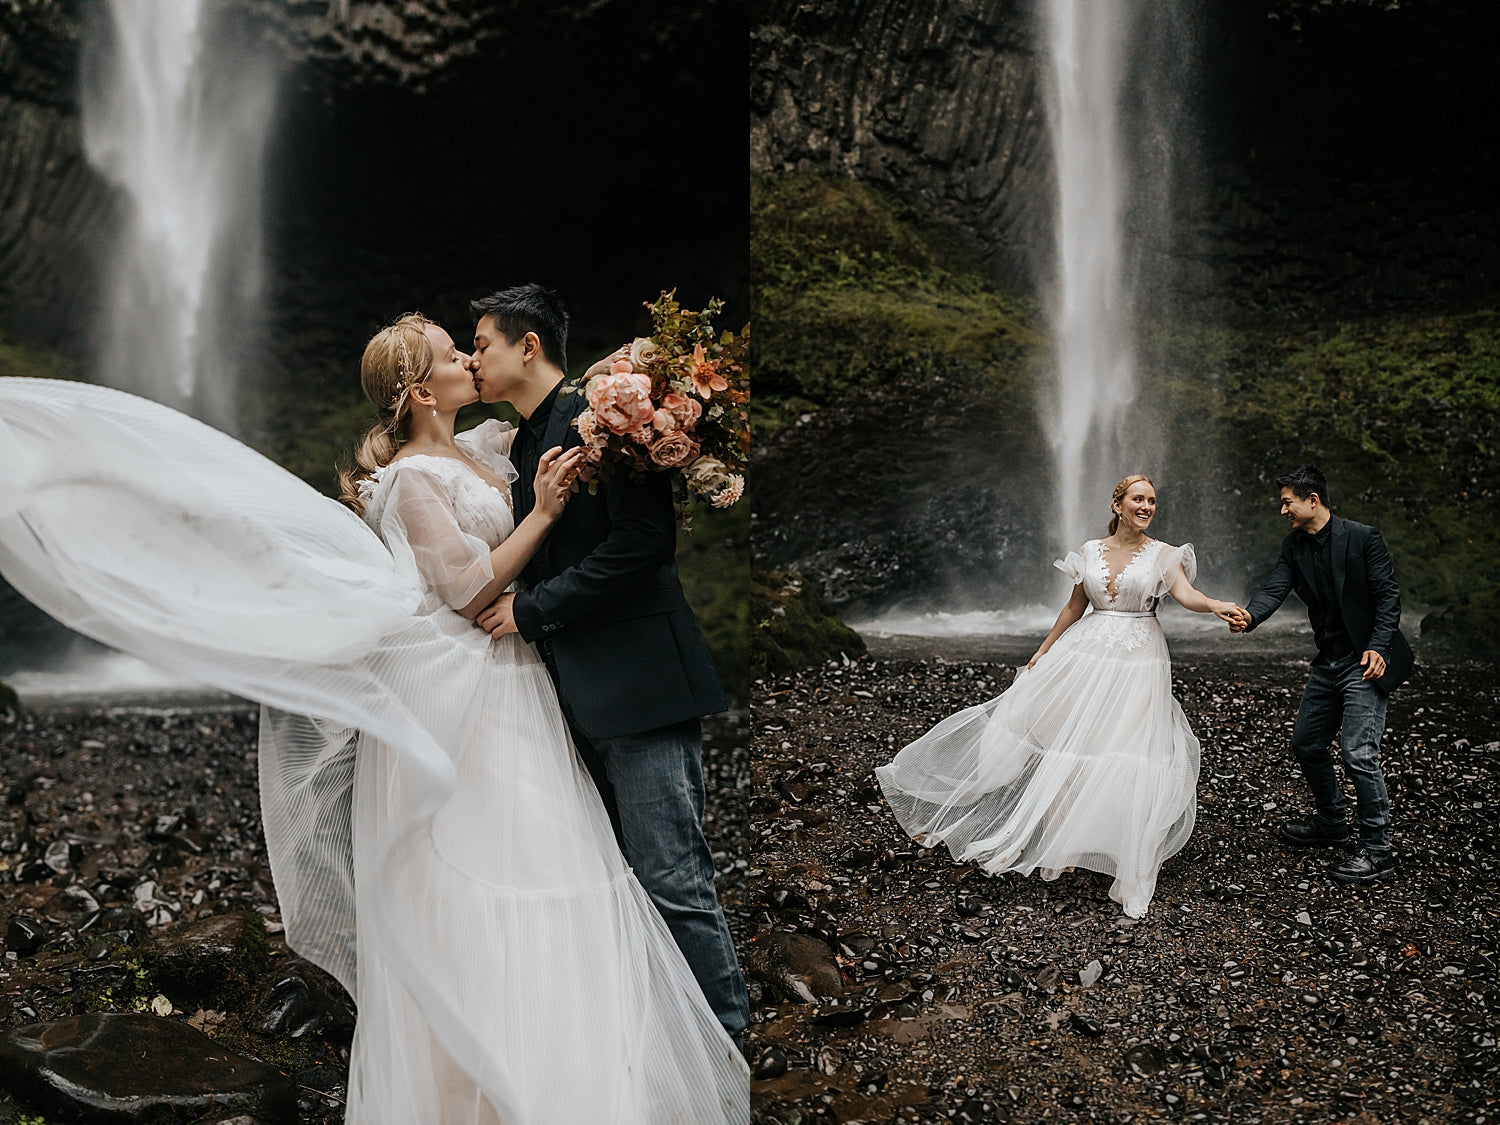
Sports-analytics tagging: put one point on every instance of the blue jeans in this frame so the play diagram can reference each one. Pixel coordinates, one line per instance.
(652, 784)
(1338, 703)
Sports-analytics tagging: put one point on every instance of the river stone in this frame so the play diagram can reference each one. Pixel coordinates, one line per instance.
(800, 967)
(213, 958)
(105, 1067)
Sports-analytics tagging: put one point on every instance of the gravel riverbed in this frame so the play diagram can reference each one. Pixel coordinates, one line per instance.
(125, 829)
(891, 984)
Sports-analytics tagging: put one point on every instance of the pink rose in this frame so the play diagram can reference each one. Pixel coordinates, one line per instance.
(674, 450)
(620, 367)
(621, 402)
(678, 412)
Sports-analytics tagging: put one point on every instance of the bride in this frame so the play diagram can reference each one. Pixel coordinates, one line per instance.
(1086, 760)
(435, 843)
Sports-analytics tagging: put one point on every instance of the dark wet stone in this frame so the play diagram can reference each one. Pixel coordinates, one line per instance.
(24, 935)
(771, 1064)
(127, 1067)
(1085, 1026)
(1146, 1059)
(800, 967)
(213, 958)
(32, 871)
(838, 1017)
(303, 999)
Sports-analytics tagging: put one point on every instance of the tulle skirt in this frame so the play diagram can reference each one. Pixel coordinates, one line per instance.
(435, 844)
(522, 907)
(1085, 761)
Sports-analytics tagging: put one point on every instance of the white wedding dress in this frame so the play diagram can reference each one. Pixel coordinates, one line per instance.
(1086, 760)
(434, 841)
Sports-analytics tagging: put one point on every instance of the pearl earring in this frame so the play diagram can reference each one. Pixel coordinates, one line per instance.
(434, 412)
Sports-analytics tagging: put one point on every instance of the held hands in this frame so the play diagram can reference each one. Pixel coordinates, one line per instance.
(1232, 615)
(554, 479)
(499, 619)
(1373, 664)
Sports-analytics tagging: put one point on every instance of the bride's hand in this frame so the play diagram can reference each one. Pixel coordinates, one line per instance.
(1035, 656)
(602, 366)
(554, 479)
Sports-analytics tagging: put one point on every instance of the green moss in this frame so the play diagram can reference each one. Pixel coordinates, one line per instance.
(18, 359)
(793, 627)
(852, 287)
(713, 562)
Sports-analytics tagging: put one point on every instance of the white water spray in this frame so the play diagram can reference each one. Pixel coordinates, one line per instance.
(179, 122)
(1091, 317)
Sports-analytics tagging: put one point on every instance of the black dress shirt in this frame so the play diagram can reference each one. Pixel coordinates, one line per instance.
(1328, 630)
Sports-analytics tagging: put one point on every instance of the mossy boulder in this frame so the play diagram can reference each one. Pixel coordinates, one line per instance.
(793, 627)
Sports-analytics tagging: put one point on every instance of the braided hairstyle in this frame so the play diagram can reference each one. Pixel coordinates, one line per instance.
(396, 360)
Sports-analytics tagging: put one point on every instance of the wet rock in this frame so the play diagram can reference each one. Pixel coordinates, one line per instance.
(1146, 1059)
(1089, 975)
(211, 961)
(771, 1064)
(24, 935)
(127, 1067)
(800, 967)
(302, 999)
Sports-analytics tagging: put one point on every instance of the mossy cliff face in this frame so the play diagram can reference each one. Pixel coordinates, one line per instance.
(907, 463)
(1323, 160)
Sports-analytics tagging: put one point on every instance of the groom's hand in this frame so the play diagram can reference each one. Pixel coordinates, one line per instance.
(1373, 663)
(500, 618)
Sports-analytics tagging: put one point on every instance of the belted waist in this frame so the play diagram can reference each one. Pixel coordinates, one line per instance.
(1124, 613)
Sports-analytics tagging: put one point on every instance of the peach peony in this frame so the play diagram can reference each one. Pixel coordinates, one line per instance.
(621, 367)
(677, 412)
(621, 401)
(673, 450)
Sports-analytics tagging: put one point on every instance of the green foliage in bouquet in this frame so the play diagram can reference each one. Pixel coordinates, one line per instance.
(678, 401)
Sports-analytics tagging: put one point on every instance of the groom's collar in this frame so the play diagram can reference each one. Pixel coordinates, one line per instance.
(537, 423)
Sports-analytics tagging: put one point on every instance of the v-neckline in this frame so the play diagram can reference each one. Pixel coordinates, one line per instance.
(1111, 577)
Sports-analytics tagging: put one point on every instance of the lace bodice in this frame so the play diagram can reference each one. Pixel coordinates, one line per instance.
(440, 517)
(479, 508)
(1142, 582)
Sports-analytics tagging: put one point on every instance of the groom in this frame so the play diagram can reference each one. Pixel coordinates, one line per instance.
(1341, 571)
(604, 605)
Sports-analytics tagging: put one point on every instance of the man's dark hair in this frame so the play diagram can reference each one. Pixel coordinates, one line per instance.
(1304, 480)
(528, 308)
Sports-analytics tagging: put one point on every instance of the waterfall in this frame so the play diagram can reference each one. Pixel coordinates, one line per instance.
(1087, 48)
(177, 106)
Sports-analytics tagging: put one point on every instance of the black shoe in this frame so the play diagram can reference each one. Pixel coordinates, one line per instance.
(1365, 868)
(1311, 834)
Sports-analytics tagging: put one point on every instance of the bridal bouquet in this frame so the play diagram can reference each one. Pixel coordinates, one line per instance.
(677, 402)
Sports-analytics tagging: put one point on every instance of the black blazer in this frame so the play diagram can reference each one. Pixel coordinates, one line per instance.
(1364, 583)
(603, 590)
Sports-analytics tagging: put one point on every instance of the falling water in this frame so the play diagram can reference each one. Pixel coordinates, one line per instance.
(1091, 316)
(177, 106)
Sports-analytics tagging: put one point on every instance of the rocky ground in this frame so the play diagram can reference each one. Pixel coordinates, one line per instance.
(133, 885)
(889, 984)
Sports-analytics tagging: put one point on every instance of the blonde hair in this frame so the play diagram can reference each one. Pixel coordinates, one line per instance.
(397, 359)
(1119, 494)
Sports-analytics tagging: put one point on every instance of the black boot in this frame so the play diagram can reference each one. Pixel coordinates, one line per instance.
(1365, 868)
(1312, 834)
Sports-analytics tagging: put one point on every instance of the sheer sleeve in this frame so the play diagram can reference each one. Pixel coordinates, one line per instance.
(490, 442)
(418, 523)
(1168, 559)
(1072, 566)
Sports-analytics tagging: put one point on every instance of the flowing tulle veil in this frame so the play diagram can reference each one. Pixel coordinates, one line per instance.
(162, 537)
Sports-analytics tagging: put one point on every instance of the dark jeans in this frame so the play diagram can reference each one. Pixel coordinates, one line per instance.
(1338, 703)
(652, 784)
